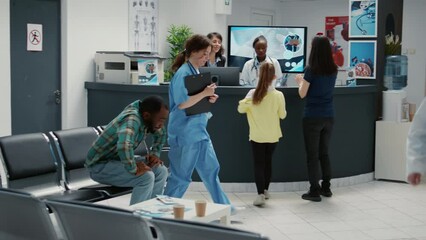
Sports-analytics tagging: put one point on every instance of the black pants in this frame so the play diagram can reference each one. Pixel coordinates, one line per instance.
(317, 134)
(262, 154)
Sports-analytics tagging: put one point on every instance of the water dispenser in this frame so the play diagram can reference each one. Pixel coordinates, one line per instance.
(395, 106)
(395, 72)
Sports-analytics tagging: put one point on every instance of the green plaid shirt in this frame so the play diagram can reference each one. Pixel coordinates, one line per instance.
(121, 137)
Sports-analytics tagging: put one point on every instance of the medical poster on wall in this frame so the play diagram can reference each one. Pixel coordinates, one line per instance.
(362, 56)
(363, 18)
(143, 25)
(336, 30)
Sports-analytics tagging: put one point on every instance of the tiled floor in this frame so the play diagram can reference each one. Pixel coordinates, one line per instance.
(374, 210)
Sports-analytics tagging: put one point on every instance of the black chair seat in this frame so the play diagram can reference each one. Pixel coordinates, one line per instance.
(110, 191)
(86, 195)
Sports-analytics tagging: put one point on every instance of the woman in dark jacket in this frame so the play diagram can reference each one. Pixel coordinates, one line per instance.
(216, 58)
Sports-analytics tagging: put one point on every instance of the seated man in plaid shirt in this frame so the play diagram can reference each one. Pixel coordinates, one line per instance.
(111, 159)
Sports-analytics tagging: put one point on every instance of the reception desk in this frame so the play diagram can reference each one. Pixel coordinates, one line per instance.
(351, 147)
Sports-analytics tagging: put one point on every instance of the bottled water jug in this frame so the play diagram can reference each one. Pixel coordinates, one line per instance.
(396, 72)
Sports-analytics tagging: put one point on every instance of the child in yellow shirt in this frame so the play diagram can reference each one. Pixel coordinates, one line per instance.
(264, 106)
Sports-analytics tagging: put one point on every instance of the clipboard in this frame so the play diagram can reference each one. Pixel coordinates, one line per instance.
(196, 84)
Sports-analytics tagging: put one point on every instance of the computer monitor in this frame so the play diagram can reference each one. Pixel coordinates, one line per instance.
(223, 76)
(286, 44)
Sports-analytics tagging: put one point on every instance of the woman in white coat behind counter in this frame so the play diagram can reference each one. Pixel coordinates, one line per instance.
(250, 74)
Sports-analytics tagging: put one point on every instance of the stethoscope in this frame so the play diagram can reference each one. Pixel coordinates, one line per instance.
(192, 68)
(254, 66)
(370, 15)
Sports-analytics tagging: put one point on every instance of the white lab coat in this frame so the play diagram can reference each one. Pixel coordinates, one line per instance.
(249, 75)
(416, 143)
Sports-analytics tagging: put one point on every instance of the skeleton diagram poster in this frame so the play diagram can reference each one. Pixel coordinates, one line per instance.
(143, 25)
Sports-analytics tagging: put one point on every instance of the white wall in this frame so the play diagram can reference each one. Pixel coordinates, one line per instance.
(414, 35)
(241, 10)
(87, 26)
(199, 15)
(5, 102)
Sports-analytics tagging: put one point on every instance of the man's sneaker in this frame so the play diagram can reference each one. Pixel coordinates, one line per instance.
(326, 192)
(260, 200)
(267, 195)
(315, 197)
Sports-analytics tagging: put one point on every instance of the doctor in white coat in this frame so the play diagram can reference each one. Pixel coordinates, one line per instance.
(250, 74)
(416, 146)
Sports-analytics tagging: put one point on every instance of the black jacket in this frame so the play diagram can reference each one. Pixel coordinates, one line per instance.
(220, 63)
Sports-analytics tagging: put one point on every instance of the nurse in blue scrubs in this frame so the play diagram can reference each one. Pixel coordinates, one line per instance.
(190, 144)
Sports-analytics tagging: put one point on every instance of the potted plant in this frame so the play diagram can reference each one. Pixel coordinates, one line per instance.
(176, 39)
(392, 44)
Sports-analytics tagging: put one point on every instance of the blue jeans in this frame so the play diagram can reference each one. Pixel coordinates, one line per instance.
(145, 186)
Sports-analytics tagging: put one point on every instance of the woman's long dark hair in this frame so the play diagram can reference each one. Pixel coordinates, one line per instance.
(321, 59)
(195, 43)
(216, 34)
(266, 75)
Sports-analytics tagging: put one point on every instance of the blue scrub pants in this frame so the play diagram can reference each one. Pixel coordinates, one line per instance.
(202, 157)
(146, 186)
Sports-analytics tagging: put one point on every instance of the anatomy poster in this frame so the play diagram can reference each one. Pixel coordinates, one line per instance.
(143, 25)
(363, 18)
(336, 29)
(362, 56)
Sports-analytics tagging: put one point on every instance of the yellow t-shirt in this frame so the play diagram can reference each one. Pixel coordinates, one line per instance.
(264, 118)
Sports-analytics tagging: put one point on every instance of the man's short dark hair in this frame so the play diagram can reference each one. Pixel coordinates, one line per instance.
(152, 104)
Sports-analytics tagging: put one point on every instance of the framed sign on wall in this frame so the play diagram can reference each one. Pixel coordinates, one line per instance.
(363, 19)
(143, 25)
(362, 58)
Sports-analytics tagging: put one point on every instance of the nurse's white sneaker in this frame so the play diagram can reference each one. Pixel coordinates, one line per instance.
(267, 195)
(260, 200)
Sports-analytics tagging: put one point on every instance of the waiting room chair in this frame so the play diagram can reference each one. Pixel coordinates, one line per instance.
(24, 217)
(86, 221)
(72, 146)
(28, 164)
(190, 230)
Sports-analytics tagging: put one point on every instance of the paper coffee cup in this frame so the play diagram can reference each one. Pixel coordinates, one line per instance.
(178, 211)
(200, 208)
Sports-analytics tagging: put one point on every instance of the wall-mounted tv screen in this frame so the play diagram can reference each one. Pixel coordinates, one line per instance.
(286, 44)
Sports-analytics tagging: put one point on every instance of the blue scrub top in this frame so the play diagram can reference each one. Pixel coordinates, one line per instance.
(184, 130)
